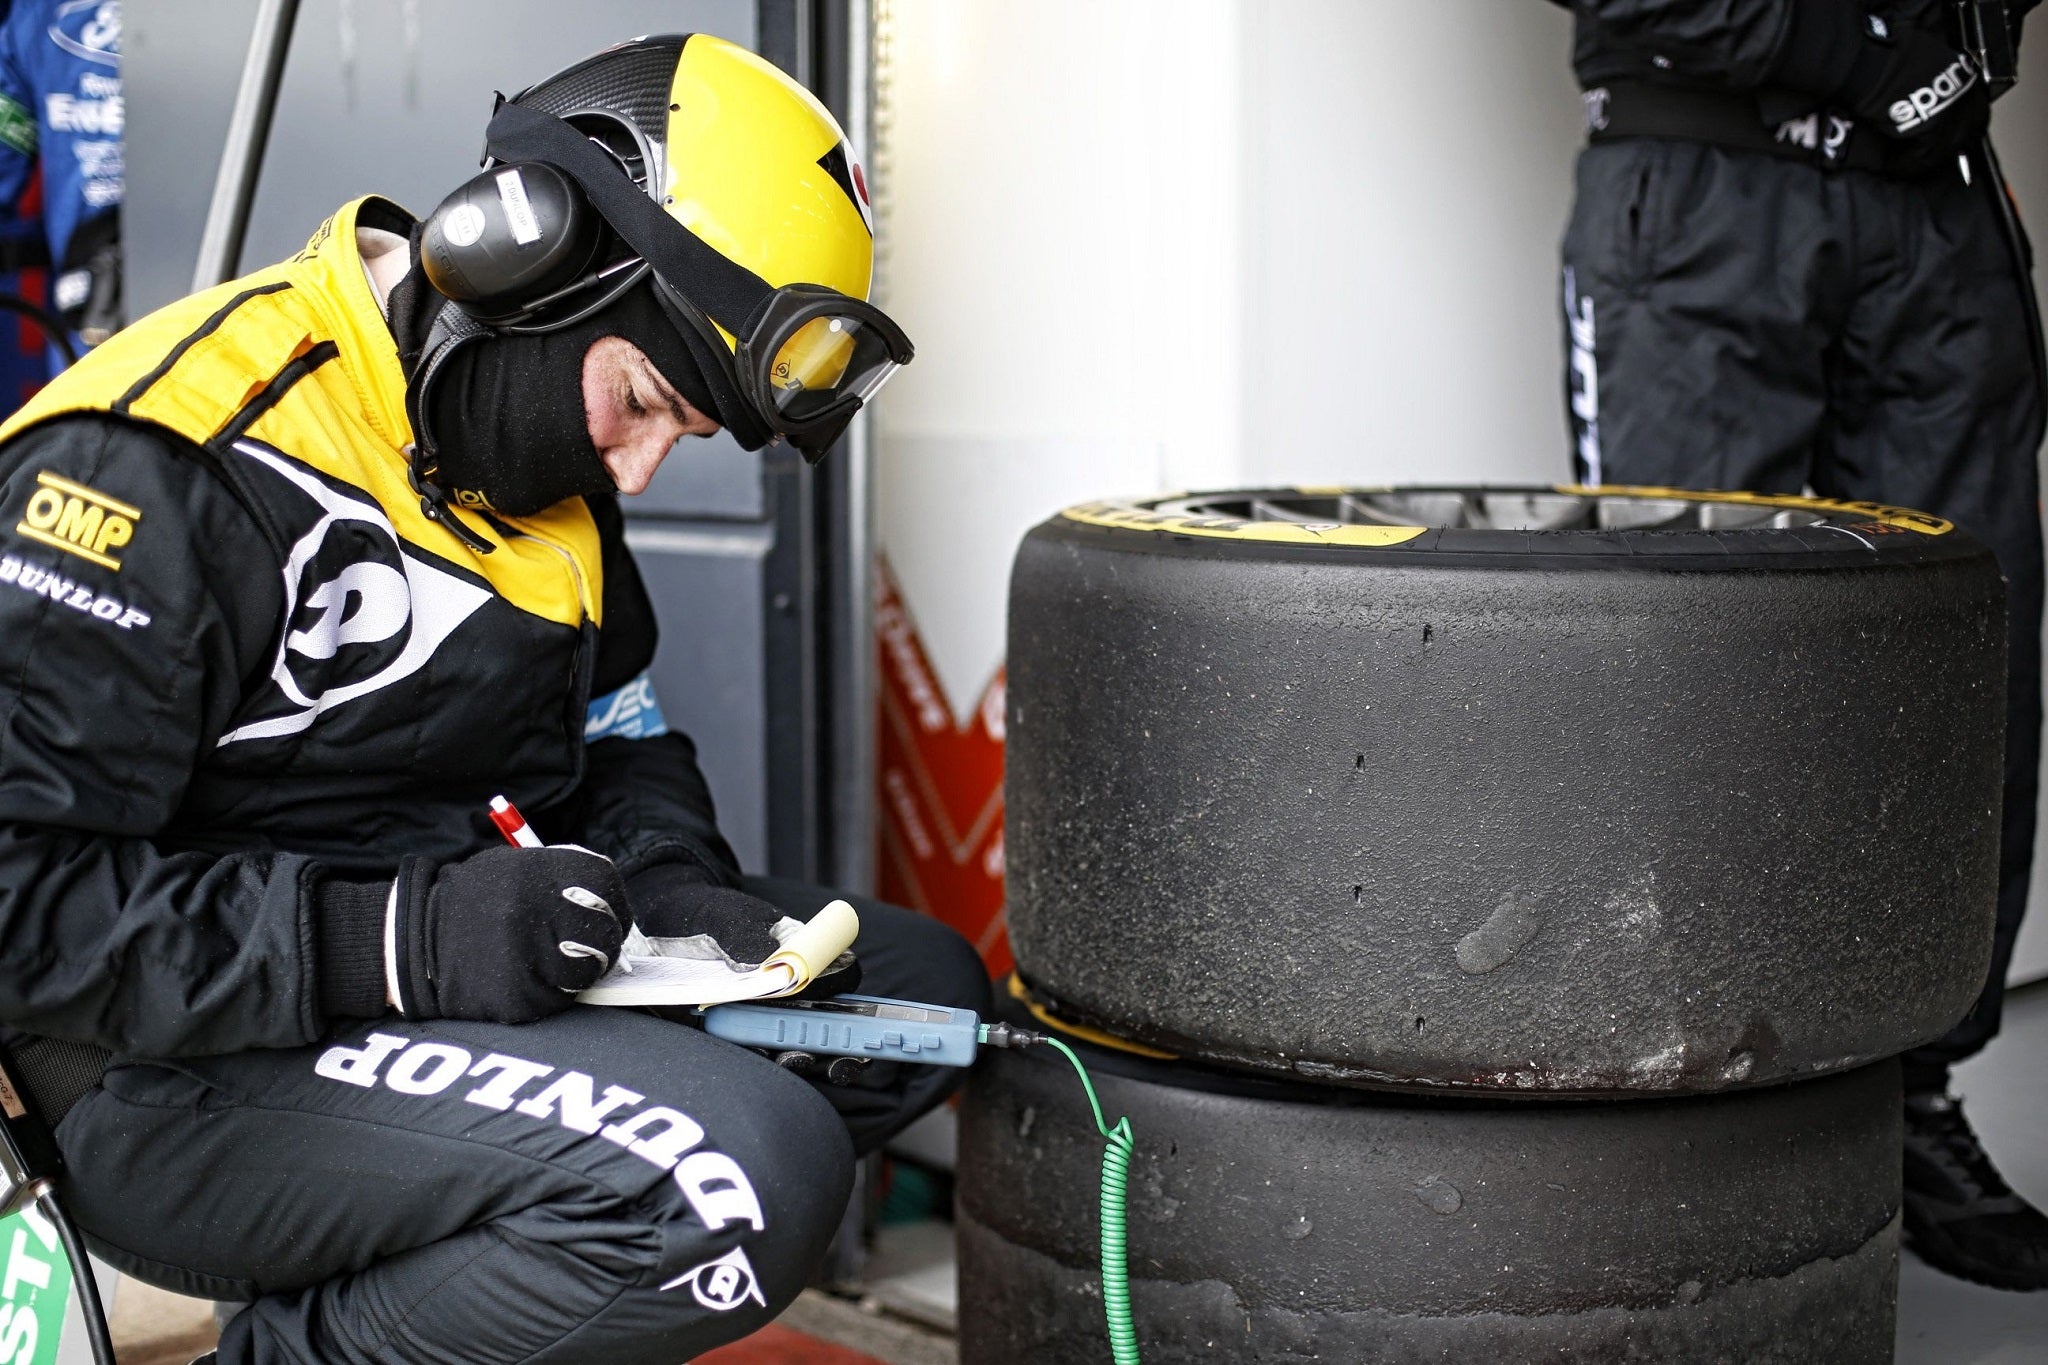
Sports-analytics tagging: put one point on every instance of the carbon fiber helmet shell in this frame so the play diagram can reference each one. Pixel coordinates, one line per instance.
(732, 148)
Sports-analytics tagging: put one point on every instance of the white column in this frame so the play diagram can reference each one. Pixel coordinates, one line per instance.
(1062, 190)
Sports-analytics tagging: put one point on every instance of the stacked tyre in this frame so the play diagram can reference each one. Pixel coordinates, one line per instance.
(1630, 807)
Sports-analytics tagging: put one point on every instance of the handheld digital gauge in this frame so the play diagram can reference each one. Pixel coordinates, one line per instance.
(857, 1026)
(873, 1026)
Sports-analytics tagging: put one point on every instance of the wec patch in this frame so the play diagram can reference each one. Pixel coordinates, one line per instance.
(630, 712)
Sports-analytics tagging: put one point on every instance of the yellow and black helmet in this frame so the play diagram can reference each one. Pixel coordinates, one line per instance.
(694, 161)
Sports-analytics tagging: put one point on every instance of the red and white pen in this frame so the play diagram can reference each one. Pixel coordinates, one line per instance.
(512, 824)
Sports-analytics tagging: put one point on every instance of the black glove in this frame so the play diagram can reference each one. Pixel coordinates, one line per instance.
(509, 934)
(86, 289)
(678, 900)
(1911, 86)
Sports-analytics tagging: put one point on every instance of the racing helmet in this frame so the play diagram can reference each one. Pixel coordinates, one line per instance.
(695, 163)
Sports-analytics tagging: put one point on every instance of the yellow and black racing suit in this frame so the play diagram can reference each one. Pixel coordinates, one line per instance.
(237, 663)
(241, 675)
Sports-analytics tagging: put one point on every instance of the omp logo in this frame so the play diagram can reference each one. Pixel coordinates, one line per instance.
(1938, 94)
(78, 520)
(360, 614)
(723, 1283)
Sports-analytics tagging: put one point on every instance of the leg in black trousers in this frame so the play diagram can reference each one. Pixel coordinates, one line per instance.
(602, 1186)
(1742, 321)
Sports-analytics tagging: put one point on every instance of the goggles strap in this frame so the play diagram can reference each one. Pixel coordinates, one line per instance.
(729, 292)
(721, 374)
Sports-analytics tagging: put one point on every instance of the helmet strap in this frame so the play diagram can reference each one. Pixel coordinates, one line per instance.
(450, 331)
(725, 290)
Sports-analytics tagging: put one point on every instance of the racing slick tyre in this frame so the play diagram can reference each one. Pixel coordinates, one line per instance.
(1545, 791)
(1274, 1221)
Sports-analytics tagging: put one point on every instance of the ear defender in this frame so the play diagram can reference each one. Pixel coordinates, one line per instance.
(511, 241)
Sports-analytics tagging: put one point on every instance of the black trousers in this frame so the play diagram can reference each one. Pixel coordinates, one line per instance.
(1737, 320)
(603, 1186)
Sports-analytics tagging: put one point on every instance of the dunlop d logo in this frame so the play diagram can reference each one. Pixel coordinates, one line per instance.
(78, 521)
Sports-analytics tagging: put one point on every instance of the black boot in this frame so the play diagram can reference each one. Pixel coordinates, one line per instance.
(1960, 1216)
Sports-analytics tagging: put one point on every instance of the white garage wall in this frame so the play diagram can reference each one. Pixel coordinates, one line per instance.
(1407, 176)
(2020, 126)
(1146, 245)
(1060, 184)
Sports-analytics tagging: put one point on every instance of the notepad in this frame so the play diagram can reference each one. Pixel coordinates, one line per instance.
(696, 971)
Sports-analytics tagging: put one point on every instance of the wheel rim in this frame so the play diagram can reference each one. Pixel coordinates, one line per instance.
(1515, 509)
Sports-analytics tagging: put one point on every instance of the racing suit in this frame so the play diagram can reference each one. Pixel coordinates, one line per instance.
(1759, 293)
(241, 674)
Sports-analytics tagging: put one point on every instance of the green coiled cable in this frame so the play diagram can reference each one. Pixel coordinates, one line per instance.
(1116, 1168)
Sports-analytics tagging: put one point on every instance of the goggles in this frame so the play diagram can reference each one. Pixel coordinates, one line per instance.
(810, 361)
(805, 359)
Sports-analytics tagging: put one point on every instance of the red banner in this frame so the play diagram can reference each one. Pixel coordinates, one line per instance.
(941, 788)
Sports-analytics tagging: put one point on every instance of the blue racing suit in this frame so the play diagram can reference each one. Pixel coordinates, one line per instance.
(60, 111)
(60, 100)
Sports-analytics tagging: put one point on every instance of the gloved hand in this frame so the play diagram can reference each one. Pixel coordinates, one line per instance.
(509, 934)
(1909, 85)
(676, 900)
(86, 288)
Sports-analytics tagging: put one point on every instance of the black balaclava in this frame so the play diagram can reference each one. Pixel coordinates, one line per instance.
(506, 410)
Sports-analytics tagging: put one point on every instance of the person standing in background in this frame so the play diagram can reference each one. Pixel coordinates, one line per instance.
(61, 112)
(1792, 263)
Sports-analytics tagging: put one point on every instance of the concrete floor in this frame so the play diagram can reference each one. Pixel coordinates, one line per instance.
(2005, 1091)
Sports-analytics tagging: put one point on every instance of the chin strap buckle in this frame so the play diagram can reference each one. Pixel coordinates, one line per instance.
(434, 504)
(451, 328)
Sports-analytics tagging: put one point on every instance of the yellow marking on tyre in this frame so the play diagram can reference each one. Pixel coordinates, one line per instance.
(1900, 518)
(1129, 516)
